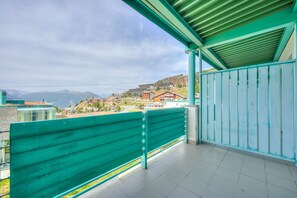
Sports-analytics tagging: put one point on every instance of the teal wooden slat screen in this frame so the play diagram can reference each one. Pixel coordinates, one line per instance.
(204, 108)
(225, 108)
(50, 157)
(263, 110)
(211, 107)
(287, 110)
(164, 126)
(274, 110)
(242, 109)
(252, 108)
(233, 110)
(218, 108)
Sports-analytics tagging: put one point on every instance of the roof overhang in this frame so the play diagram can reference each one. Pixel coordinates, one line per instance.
(224, 24)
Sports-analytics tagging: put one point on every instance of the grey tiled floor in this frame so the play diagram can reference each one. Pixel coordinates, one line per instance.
(188, 171)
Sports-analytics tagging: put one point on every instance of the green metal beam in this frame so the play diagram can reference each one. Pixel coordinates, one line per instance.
(152, 16)
(191, 76)
(283, 42)
(295, 6)
(279, 20)
(165, 10)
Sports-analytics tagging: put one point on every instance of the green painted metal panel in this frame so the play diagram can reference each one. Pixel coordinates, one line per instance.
(210, 107)
(55, 126)
(218, 107)
(166, 123)
(226, 108)
(204, 106)
(76, 151)
(52, 139)
(252, 109)
(157, 119)
(263, 109)
(162, 112)
(233, 109)
(287, 110)
(166, 130)
(242, 108)
(274, 111)
(159, 131)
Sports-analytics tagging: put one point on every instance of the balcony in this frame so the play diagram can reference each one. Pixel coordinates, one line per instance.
(246, 129)
(203, 171)
(57, 157)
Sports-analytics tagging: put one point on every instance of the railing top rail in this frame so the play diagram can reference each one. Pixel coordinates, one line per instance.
(252, 66)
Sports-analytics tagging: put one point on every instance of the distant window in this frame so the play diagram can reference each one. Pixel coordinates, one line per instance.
(34, 116)
(45, 115)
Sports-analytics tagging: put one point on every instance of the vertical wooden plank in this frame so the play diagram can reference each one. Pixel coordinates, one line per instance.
(211, 107)
(274, 110)
(242, 108)
(233, 109)
(263, 109)
(225, 108)
(204, 107)
(218, 108)
(252, 109)
(287, 110)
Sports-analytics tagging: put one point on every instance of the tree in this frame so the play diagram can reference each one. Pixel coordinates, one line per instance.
(118, 108)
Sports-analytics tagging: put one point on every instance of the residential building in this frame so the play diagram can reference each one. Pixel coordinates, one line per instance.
(12, 111)
(148, 95)
(168, 95)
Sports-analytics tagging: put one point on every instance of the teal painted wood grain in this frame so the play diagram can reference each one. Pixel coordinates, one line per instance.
(161, 130)
(288, 111)
(218, 107)
(49, 140)
(164, 126)
(274, 111)
(55, 126)
(161, 112)
(76, 151)
(233, 109)
(252, 109)
(242, 108)
(225, 108)
(166, 123)
(211, 107)
(157, 119)
(263, 117)
(204, 107)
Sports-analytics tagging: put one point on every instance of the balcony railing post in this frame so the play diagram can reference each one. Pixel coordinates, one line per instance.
(185, 139)
(144, 140)
(295, 92)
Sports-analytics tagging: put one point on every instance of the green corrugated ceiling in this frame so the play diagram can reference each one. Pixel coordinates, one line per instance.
(211, 17)
(261, 48)
(230, 33)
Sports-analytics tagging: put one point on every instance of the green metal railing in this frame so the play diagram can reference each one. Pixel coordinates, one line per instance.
(48, 158)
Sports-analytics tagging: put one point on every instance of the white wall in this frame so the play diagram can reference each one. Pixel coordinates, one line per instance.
(288, 54)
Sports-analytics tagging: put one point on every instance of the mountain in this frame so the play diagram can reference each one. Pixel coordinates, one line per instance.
(61, 98)
(15, 94)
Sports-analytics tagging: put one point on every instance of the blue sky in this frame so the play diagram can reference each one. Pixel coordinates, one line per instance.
(100, 46)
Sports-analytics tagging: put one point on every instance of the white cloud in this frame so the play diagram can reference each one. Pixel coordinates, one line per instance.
(99, 46)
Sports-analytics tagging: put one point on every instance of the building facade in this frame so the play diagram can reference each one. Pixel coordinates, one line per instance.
(168, 95)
